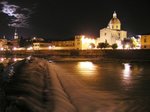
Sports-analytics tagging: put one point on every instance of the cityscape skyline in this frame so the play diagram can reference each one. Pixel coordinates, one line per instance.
(59, 20)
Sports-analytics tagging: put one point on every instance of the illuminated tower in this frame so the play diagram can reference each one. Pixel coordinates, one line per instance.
(114, 23)
(16, 34)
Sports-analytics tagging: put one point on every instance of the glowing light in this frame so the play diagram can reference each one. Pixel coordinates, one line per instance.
(49, 47)
(86, 65)
(127, 46)
(90, 46)
(1, 48)
(30, 48)
(29, 58)
(83, 36)
(1, 59)
(127, 70)
(14, 48)
(86, 68)
(15, 59)
(86, 42)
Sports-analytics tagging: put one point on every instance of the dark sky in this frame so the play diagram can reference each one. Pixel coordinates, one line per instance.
(62, 20)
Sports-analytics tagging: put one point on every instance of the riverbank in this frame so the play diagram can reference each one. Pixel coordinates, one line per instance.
(134, 54)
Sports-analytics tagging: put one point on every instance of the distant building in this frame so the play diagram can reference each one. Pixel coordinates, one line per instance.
(69, 44)
(14, 43)
(37, 39)
(83, 42)
(113, 33)
(41, 46)
(3, 44)
(80, 42)
(145, 41)
(16, 35)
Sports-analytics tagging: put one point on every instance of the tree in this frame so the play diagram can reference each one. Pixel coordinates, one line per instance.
(114, 46)
(92, 45)
(102, 45)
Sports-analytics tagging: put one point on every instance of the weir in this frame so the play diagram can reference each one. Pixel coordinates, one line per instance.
(31, 85)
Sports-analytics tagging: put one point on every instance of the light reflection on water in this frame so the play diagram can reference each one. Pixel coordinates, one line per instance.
(108, 75)
(127, 76)
(129, 81)
(86, 68)
(7, 61)
(127, 70)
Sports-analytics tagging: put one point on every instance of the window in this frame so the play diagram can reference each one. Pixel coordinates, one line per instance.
(145, 40)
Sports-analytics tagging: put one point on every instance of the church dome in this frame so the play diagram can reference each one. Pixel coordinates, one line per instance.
(115, 22)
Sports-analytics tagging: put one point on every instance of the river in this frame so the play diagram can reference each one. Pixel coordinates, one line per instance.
(105, 86)
(112, 86)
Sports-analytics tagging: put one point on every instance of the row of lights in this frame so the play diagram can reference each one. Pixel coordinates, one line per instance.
(6, 59)
(29, 48)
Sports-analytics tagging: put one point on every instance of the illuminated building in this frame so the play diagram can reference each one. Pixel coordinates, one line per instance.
(145, 41)
(14, 43)
(16, 34)
(83, 42)
(80, 42)
(113, 33)
(40, 46)
(3, 44)
(69, 44)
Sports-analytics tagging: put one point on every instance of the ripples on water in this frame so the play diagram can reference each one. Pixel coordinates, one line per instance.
(130, 81)
(112, 86)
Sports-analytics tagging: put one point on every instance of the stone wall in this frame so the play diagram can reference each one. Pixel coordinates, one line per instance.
(119, 54)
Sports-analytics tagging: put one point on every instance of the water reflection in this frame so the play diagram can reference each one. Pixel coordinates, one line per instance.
(7, 61)
(2, 59)
(86, 68)
(126, 71)
(129, 81)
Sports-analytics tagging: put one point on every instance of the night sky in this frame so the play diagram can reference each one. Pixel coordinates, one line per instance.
(62, 20)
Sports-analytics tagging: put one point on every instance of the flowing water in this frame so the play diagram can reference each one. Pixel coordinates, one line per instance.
(103, 86)
(129, 83)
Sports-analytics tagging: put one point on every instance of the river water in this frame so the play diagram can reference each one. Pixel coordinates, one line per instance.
(129, 82)
(106, 86)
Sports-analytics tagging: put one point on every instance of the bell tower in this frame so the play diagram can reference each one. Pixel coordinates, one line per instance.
(16, 34)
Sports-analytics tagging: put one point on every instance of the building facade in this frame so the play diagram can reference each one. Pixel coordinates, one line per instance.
(112, 33)
(83, 42)
(3, 44)
(145, 41)
(41, 46)
(80, 42)
(63, 44)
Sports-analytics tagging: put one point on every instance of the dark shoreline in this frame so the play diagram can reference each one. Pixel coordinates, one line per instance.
(129, 55)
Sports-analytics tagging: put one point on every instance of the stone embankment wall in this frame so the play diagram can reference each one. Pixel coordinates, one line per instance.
(119, 54)
(32, 85)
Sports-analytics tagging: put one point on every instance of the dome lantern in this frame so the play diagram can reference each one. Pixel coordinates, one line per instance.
(114, 23)
(114, 15)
